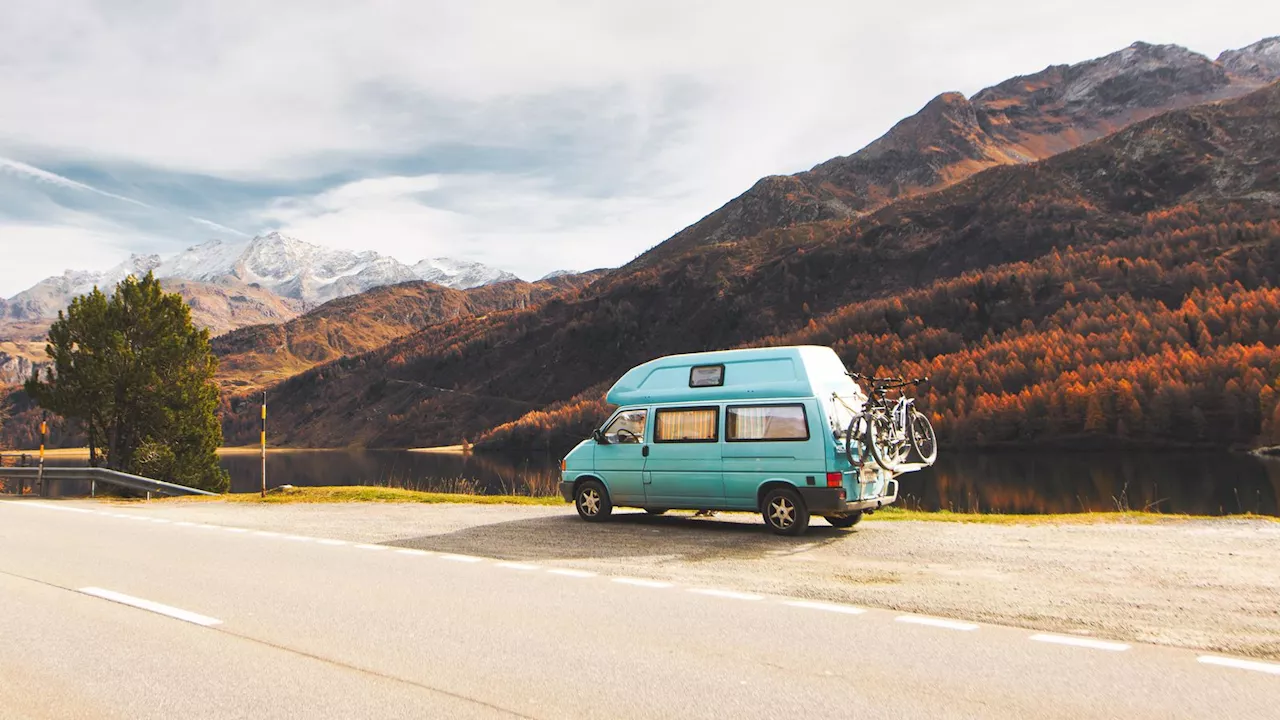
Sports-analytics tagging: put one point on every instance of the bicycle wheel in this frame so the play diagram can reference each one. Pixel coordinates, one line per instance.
(923, 439)
(880, 442)
(853, 435)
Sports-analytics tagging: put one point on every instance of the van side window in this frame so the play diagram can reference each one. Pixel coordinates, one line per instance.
(628, 427)
(766, 423)
(687, 425)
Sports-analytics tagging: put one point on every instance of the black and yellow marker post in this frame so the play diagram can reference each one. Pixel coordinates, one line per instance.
(264, 444)
(44, 431)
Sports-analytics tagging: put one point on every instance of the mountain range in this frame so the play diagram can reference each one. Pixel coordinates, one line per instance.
(1090, 253)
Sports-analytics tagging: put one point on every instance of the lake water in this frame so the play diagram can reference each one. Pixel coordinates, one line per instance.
(1014, 482)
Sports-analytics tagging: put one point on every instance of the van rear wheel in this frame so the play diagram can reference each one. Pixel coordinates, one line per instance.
(592, 501)
(784, 511)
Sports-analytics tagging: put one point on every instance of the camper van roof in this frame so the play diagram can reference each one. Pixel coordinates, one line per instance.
(751, 374)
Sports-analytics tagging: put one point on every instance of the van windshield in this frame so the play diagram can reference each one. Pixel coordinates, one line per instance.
(627, 427)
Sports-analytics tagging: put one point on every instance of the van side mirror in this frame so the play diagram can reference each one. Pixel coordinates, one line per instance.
(598, 436)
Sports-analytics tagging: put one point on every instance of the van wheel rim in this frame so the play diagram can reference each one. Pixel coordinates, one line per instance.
(782, 512)
(590, 500)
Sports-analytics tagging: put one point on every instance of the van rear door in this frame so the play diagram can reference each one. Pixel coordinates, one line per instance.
(683, 468)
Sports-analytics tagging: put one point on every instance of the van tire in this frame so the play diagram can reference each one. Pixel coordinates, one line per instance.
(592, 501)
(845, 521)
(784, 511)
(655, 511)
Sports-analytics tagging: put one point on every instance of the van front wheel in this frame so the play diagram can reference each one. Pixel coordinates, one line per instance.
(592, 501)
(784, 512)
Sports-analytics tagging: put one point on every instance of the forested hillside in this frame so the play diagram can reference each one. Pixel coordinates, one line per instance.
(1041, 298)
(259, 355)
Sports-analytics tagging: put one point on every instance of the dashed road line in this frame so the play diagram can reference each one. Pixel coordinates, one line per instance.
(519, 566)
(461, 558)
(1080, 642)
(155, 607)
(640, 582)
(262, 533)
(412, 551)
(1265, 667)
(828, 607)
(731, 594)
(936, 622)
(570, 572)
(296, 538)
(370, 546)
(236, 529)
(327, 541)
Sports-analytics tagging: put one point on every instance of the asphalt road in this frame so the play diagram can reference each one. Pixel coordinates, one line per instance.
(108, 612)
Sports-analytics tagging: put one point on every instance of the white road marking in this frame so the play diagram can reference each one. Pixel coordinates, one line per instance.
(184, 523)
(154, 607)
(299, 538)
(1254, 665)
(518, 566)
(461, 558)
(411, 551)
(568, 572)
(639, 582)
(235, 530)
(263, 533)
(162, 521)
(829, 607)
(367, 546)
(731, 594)
(1080, 642)
(47, 506)
(936, 622)
(332, 542)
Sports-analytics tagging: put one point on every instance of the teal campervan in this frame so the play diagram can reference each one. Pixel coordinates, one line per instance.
(760, 430)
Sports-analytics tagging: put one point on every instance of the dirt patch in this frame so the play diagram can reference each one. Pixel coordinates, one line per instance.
(1207, 584)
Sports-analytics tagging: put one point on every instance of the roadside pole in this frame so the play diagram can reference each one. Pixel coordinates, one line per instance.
(44, 431)
(264, 443)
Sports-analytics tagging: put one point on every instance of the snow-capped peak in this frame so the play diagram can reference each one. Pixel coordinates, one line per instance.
(460, 274)
(557, 274)
(286, 266)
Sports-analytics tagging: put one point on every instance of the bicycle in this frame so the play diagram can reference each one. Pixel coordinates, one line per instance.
(891, 430)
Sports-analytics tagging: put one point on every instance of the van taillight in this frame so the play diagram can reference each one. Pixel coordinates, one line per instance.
(835, 479)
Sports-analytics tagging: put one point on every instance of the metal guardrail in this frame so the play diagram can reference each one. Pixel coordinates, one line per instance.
(101, 475)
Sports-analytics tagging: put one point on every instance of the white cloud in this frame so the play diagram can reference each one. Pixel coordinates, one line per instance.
(516, 223)
(19, 168)
(543, 134)
(44, 250)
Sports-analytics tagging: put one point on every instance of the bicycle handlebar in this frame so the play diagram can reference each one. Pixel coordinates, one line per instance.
(888, 383)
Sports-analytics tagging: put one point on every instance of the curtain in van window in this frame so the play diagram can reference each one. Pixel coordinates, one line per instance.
(686, 425)
(771, 422)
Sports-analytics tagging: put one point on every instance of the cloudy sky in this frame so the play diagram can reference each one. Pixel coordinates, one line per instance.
(528, 134)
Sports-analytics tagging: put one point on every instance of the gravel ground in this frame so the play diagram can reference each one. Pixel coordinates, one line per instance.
(1205, 584)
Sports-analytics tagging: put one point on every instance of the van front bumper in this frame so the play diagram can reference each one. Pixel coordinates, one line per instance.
(831, 501)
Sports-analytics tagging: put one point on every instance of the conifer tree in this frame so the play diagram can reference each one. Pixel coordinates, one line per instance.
(138, 377)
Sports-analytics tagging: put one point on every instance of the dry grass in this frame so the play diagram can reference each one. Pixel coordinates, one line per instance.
(366, 493)
(1090, 518)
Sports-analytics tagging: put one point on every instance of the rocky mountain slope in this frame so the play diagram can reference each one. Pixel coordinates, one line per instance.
(229, 285)
(1207, 171)
(1018, 121)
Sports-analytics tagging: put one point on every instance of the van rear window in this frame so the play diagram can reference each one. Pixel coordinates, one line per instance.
(766, 423)
(687, 425)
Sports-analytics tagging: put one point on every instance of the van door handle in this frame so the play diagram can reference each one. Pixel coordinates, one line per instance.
(645, 451)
